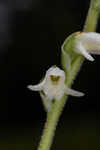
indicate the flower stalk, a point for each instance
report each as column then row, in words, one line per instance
column 92, row 17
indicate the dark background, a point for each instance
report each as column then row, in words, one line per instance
column 31, row 34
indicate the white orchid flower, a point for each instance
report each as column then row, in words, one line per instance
column 88, row 43
column 53, row 85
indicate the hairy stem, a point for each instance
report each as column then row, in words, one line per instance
column 54, row 114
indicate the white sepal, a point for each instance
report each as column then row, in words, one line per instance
column 37, row 87
column 81, row 50
column 73, row 92
column 88, row 43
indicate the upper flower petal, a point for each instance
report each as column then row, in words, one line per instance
column 55, row 71
column 88, row 42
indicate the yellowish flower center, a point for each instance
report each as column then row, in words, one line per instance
column 54, row 79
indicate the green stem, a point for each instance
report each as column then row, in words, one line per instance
column 50, row 125
column 54, row 114
column 92, row 17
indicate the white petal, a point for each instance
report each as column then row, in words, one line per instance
column 37, row 87
column 95, row 52
column 90, row 37
column 81, row 50
column 90, row 41
column 55, row 71
column 73, row 92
